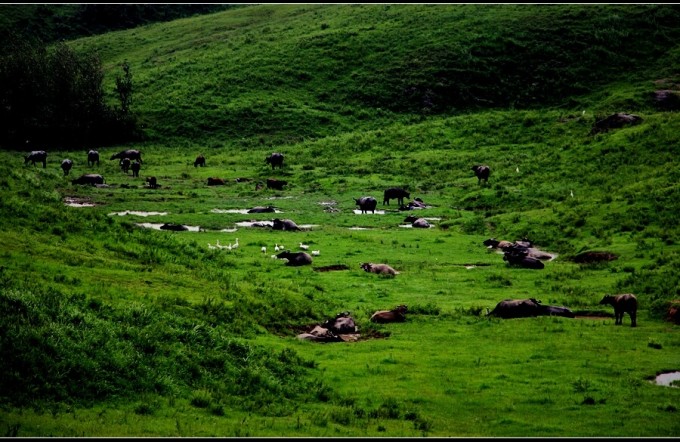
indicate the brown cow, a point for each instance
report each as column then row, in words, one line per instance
column 380, row 269
column 625, row 303
column 397, row 314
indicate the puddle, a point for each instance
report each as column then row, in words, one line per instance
column 255, row 224
column 279, row 197
column 242, row 211
column 407, row 226
column 359, row 228
column 671, row 379
column 157, row 226
column 75, row 202
column 377, row 212
column 328, row 203
column 228, row 230
column 133, row 212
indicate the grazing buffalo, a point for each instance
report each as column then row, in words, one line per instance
column 199, row 161
column 366, row 203
column 260, row 209
column 66, row 166
column 215, row 182
column 421, row 223
column 153, row 182
column 342, row 323
column 135, row 166
column 380, row 269
column 516, row 308
column 92, row 157
column 273, row 183
column 284, row 224
column 175, row 227
column 130, row 153
column 482, row 172
column 625, row 303
column 275, row 159
column 90, row 178
column 295, row 259
column 125, row 164
column 397, row 314
column 39, row 156
column 395, row 193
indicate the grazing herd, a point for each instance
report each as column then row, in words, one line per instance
column 518, row 253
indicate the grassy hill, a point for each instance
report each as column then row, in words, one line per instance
column 112, row 329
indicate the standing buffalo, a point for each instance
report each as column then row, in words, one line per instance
column 273, row 183
column 92, row 157
column 295, row 258
column 125, row 164
column 516, row 308
column 482, row 172
column 395, row 193
column 215, row 182
column 39, row 156
column 130, row 153
column 284, row 224
column 626, row 303
column 135, row 168
column 366, row 203
column 397, row 314
column 275, row 159
column 66, row 166
column 153, row 182
column 90, row 178
column 380, row 269
column 199, row 161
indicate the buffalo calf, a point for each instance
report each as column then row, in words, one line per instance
column 379, row 269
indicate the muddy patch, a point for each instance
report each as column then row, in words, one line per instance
column 359, row 228
column 410, row 226
column 138, row 213
column 593, row 314
column 241, row 211
column 331, row 268
column 157, row 226
column 78, row 202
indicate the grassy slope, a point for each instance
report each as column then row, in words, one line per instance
column 299, row 95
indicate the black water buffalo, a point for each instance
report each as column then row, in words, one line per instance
column 90, row 178
column 380, row 269
column 366, row 203
column 174, row 227
column 414, row 205
column 275, row 159
column 516, row 308
column 125, row 164
column 215, row 182
column 37, row 156
column 320, row 334
column 625, row 303
column 482, row 172
column 397, row 314
column 153, row 182
column 421, row 223
column 66, row 166
column 295, row 259
column 519, row 256
column 130, row 153
column 135, row 166
column 199, row 161
column 395, row 193
column 342, row 323
column 553, row 310
column 260, row 209
column 92, row 157
column 273, row 183
column 284, row 224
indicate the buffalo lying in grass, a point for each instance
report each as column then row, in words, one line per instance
column 526, row 308
column 380, row 269
column 90, row 178
column 397, row 314
column 295, row 259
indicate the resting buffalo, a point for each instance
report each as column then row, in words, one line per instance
column 90, row 178
column 175, row 227
column 295, row 258
column 494, row 243
column 553, row 310
column 260, row 209
column 421, row 223
column 397, row 314
column 39, row 156
column 273, row 183
column 380, row 269
column 215, row 182
column 519, row 256
column 66, row 166
column 342, row 323
column 516, row 308
column 125, row 164
column 395, row 193
column 482, row 172
column 92, row 157
column 275, row 159
column 284, row 224
column 366, row 203
column 135, row 166
column 199, row 161
column 320, row 334
column 414, row 205
column 626, row 303
column 130, row 153
column 153, row 182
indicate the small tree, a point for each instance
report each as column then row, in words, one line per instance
column 124, row 89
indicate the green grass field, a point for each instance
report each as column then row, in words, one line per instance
column 112, row 329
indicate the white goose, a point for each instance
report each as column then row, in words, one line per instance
column 304, row 246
